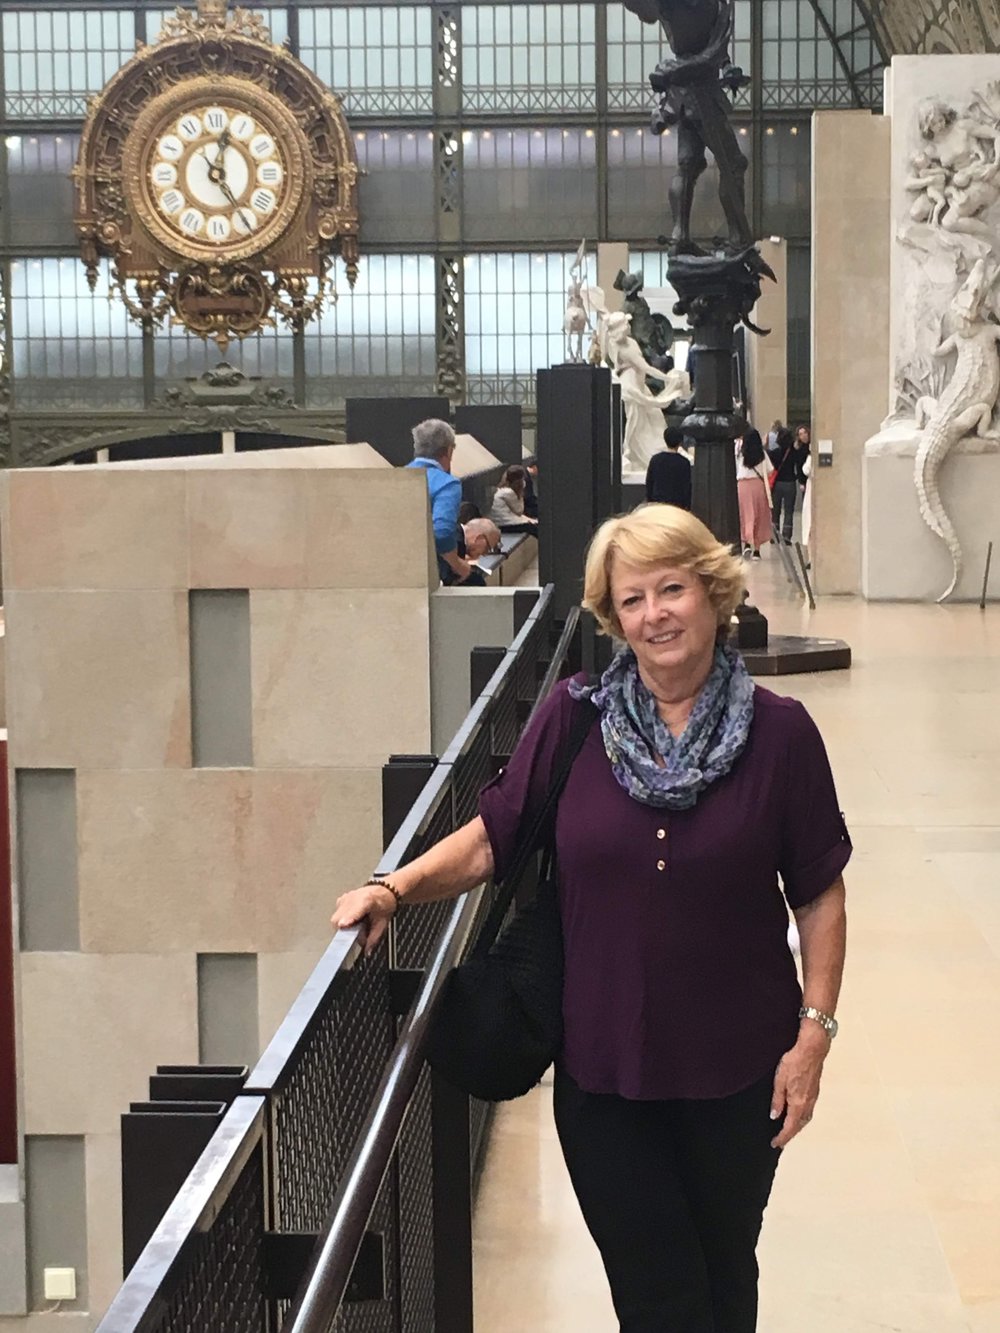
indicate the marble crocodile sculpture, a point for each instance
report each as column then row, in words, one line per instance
column 965, row 406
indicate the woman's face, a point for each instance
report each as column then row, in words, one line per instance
column 802, row 435
column 666, row 617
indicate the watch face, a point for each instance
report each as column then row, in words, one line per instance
column 217, row 176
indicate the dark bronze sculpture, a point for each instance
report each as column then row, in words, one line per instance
column 718, row 287
column 693, row 86
column 653, row 332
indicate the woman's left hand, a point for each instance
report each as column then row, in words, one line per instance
column 796, row 1083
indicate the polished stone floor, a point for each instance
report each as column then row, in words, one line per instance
column 886, row 1211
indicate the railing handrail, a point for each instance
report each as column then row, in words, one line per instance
column 321, row 1294
column 141, row 1300
column 319, row 1298
column 147, row 1287
column 339, row 956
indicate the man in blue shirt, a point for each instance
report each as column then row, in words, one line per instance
column 433, row 448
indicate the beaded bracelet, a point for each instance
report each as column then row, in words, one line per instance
column 382, row 883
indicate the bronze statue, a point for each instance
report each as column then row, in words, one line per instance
column 693, row 86
column 653, row 332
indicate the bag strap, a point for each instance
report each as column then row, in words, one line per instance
column 584, row 717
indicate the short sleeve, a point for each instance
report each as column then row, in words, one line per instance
column 816, row 845
column 444, row 512
column 513, row 799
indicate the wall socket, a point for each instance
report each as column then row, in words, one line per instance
column 60, row 1284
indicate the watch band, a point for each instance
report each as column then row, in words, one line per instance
column 826, row 1021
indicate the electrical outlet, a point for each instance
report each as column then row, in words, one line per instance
column 60, row 1284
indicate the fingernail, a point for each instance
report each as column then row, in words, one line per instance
column 775, row 1114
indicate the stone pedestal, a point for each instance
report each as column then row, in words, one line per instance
column 942, row 110
column 580, row 475
column 902, row 559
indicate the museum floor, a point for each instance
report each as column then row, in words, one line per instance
column 886, row 1212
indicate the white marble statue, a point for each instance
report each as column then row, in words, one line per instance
column 576, row 320
column 952, row 189
column 966, row 405
column 644, row 421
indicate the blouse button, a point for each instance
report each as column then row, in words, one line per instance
column 661, row 832
column 661, row 865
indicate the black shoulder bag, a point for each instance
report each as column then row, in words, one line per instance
column 500, row 1024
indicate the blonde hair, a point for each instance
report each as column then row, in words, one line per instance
column 658, row 534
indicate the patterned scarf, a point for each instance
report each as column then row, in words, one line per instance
column 634, row 732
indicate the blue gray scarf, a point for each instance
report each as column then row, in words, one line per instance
column 634, row 732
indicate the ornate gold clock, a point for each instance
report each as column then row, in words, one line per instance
column 218, row 176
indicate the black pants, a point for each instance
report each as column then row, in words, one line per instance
column 673, row 1193
column 784, row 493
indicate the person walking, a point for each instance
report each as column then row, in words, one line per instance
column 785, row 484
column 668, row 477
column 752, row 471
column 690, row 1057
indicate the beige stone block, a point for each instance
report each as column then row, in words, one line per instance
column 94, row 1029
column 166, row 861
column 316, row 834
column 221, row 860
column 103, row 1165
column 98, row 679
column 89, row 528
column 248, row 528
column 367, row 529
column 280, row 977
column 340, row 678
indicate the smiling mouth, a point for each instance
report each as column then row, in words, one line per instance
column 665, row 638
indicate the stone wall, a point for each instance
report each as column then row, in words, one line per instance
column 207, row 666
column 850, row 329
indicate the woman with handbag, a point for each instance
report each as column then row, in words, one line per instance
column 784, row 484
column 689, row 1057
column 753, row 467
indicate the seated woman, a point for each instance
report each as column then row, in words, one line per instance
column 508, row 502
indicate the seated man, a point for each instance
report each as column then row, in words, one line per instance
column 433, row 450
column 482, row 537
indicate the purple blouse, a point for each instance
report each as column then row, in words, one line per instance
column 679, row 980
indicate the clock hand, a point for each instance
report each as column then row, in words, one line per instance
column 232, row 199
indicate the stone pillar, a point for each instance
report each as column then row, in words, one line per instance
column 767, row 358
column 850, row 329
column 611, row 257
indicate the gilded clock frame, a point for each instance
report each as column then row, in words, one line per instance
column 284, row 269
column 167, row 109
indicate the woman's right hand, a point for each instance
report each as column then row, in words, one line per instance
column 371, row 907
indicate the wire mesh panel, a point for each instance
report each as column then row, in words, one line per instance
column 471, row 771
column 416, row 929
column 503, row 719
column 317, row 1114
column 221, row 1286
column 416, row 1215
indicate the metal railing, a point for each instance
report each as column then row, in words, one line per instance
column 337, row 1192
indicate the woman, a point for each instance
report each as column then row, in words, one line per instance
column 508, row 502
column 752, row 470
column 785, row 488
column 690, row 1056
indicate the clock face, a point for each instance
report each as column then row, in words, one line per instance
column 217, row 176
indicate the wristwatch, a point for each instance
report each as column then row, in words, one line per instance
column 829, row 1025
